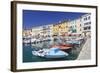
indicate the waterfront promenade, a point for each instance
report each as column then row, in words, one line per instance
column 85, row 53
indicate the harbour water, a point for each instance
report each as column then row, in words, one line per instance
column 29, row 57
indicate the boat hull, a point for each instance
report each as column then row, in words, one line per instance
column 55, row 56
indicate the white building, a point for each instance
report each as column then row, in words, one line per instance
column 42, row 32
column 86, row 24
column 37, row 32
column 47, row 31
column 81, row 25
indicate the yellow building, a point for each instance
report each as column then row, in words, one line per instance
column 55, row 29
column 63, row 28
column 60, row 28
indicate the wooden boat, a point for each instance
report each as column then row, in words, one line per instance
column 63, row 46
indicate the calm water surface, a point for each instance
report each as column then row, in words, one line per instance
column 29, row 57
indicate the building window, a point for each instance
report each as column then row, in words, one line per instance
column 89, row 27
column 85, row 18
column 70, row 26
column 80, row 24
column 74, row 31
column 85, row 28
column 89, row 22
column 85, row 23
column 89, row 17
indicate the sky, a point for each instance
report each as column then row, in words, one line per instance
column 33, row 18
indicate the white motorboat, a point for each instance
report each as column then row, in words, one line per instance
column 40, row 53
column 50, row 53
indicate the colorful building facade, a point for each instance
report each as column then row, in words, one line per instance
column 80, row 26
column 72, row 27
column 60, row 28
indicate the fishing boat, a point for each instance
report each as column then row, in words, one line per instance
column 74, row 42
column 64, row 47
